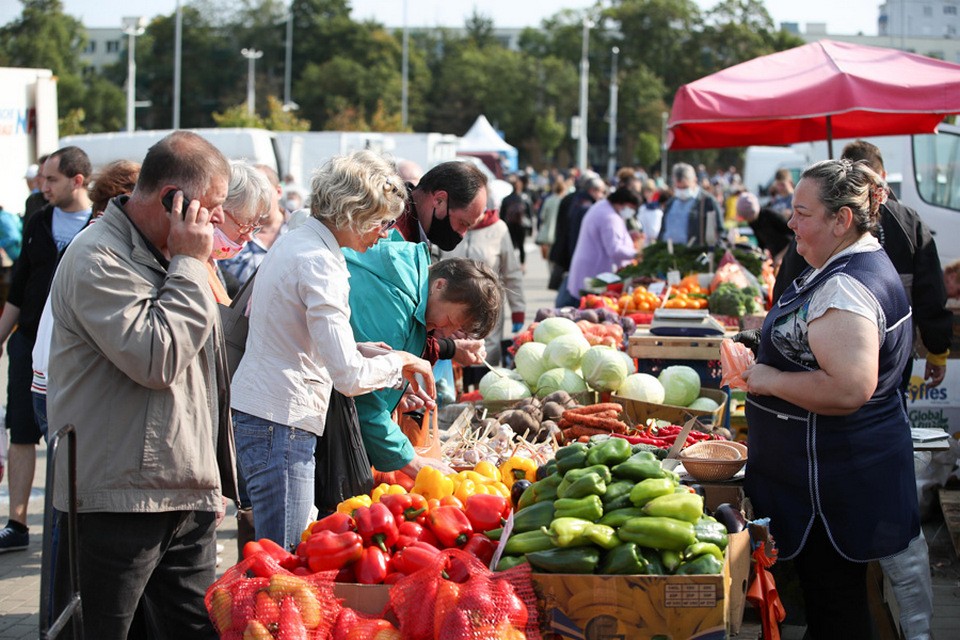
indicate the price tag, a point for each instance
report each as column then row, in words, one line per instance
column 673, row 277
column 504, row 536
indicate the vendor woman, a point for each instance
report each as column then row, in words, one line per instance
column 831, row 459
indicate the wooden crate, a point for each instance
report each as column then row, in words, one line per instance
column 644, row 344
column 950, row 505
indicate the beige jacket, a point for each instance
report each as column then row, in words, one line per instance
column 133, row 366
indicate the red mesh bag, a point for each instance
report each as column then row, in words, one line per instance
column 458, row 598
column 735, row 357
column 355, row 624
column 258, row 595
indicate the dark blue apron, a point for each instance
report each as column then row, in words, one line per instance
column 854, row 471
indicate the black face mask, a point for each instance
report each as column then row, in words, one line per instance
column 442, row 234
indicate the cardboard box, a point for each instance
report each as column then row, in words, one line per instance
column 365, row 598
column 936, row 408
column 704, row 607
column 638, row 412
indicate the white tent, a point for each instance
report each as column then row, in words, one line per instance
column 483, row 137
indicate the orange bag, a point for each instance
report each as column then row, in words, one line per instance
column 734, row 359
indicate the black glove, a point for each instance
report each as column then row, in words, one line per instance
column 750, row 339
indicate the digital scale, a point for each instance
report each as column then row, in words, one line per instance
column 685, row 322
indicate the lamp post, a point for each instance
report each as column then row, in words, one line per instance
column 584, row 79
column 177, row 64
column 252, row 55
column 288, row 103
column 612, row 140
column 405, row 65
column 132, row 27
column 663, row 146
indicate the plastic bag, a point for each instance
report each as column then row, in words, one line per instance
column 343, row 469
column 734, row 359
column 257, row 592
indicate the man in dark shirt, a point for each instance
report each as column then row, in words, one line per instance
column 769, row 227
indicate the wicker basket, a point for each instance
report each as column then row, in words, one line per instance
column 712, row 461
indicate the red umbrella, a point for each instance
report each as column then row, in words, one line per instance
column 818, row 91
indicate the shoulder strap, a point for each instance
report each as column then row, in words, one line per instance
column 243, row 296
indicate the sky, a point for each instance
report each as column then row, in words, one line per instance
column 846, row 17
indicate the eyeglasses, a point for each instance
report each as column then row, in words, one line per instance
column 385, row 225
column 244, row 228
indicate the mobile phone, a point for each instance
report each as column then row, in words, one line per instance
column 167, row 201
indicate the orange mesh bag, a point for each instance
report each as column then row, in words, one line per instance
column 259, row 598
column 354, row 624
column 458, row 598
column 734, row 359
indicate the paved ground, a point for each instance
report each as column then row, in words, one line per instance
column 20, row 571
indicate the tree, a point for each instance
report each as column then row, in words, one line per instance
column 237, row 116
column 278, row 119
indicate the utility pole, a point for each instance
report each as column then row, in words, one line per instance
column 584, row 84
column 612, row 141
column 252, row 55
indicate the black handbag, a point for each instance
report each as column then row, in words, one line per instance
column 343, row 468
column 236, row 324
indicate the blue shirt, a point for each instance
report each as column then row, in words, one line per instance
column 10, row 234
column 67, row 225
column 677, row 219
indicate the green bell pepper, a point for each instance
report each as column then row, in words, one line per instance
column 566, row 560
column 681, row 506
column 509, row 562
column 617, row 517
column 588, row 484
column 625, row 559
column 546, row 469
column 709, row 530
column 540, row 491
column 572, row 456
column 568, row 532
column 654, row 562
column 526, row 542
column 658, row 533
column 705, row 564
column 494, row 534
column 659, row 452
column 609, row 452
column 587, row 508
column 617, row 495
column 670, row 559
column 533, row 517
column 601, row 470
column 646, row 490
column 640, row 466
column 697, row 549
column 603, row 536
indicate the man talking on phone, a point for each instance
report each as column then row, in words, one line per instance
column 137, row 366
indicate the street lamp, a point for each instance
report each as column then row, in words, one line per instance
column 612, row 140
column 288, row 103
column 177, row 63
column 132, row 27
column 404, row 91
column 584, row 77
column 252, row 55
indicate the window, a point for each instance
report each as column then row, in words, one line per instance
column 949, row 10
column 113, row 46
column 91, row 47
column 937, row 164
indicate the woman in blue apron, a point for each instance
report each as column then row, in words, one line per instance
column 831, row 459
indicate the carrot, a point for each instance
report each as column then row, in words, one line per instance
column 575, row 432
column 596, row 408
column 608, row 424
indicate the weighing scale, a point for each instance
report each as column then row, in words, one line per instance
column 685, row 322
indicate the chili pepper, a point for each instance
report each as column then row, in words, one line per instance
column 518, row 468
column 573, row 460
column 533, row 517
column 372, row 566
column 431, row 483
column 487, row 470
column 670, row 559
column 520, row 543
column 350, row 505
column 337, row 522
column 589, row 484
column 588, row 508
column 697, row 549
column 640, row 466
column 567, row 532
column 705, row 564
column 486, row 512
column 709, row 530
column 646, row 490
column 617, row 495
column 565, row 560
column 624, row 559
column 329, row 551
column 386, row 489
column 602, row 535
column 407, row 506
column 540, row 491
column 601, row 470
column 377, row 526
column 658, row 533
column 509, row 562
column 410, row 532
column 682, row 506
column 450, row 525
column 610, row 452
column 619, row 516
column 481, row 547
column 414, row 557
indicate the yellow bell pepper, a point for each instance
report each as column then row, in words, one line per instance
column 477, row 477
column 466, row 489
column 487, row 469
column 431, row 483
column 383, row 489
column 518, row 468
column 501, row 488
column 350, row 505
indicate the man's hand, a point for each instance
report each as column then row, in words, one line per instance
column 191, row 234
column 934, row 374
column 412, row 365
column 411, row 401
column 469, row 352
column 420, row 462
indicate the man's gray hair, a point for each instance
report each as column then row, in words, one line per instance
column 683, row 171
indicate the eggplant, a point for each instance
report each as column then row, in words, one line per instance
column 517, row 490
column 730, row 517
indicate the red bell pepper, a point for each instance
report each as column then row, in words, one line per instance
column 414, row 557
column 411, row 532
column 336, row 522
column 377, row 526
column 371, row 568
column 511, row 604
column 406, row 506
column 446, row 605
column 481, row 547
column 329, row 551
column 346, row 574
column 486, row 511
column 450, row 525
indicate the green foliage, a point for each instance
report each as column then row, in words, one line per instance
column 237, row 116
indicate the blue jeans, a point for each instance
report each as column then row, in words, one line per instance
column 40, row 413
column 278, row 465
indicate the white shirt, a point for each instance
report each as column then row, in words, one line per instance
column 300, row 340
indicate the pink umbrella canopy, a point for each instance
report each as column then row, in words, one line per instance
column 819, row 91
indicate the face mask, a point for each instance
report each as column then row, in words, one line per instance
column 684, row 194
column 628, row 212
column 223, row 247
column 442, row 234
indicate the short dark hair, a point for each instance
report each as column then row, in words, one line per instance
column 624, row 195
column 73, row 161
column 184, row 159
column 475, row 285
column 461, row 181
column 863, row 150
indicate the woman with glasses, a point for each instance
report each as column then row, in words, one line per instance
column 300, row 345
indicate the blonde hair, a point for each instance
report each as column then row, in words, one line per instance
column 357, row 191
